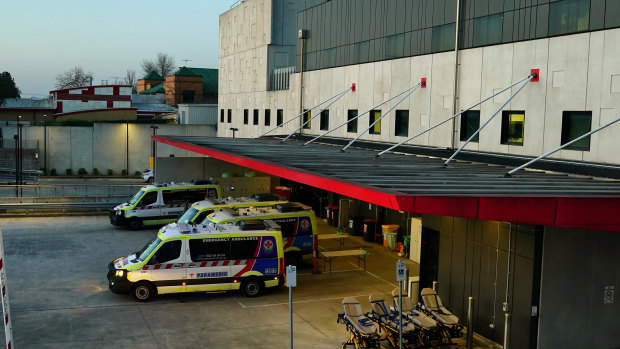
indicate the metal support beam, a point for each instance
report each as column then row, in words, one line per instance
column 454, row 116
column 510, row 173
column 340, row 95
column 300, row 114
column 486, row 122
column 382, row 116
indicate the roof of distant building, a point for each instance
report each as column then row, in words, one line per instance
column 209, row 77
column 159, row 88
column 27, row 103
column 153, row 75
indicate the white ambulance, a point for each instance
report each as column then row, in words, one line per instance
column 203, row 258
column 160, row 204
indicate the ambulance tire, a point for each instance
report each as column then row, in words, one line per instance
column 293, row 258
column 150, row 180
column 134, row 224
column 143, row 291
column 252, row 287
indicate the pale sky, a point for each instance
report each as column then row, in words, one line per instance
column 41, row 38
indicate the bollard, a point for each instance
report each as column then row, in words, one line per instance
column 435, row 284
column 470, row 323
column 507, row 331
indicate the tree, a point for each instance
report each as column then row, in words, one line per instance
column 130, row 79
column 74, row 77
column 162, row 64
column 8, row 89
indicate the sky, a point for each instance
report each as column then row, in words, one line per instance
column 41, row 38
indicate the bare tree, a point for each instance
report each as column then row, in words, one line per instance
column 162, row 64
column 130, row 79
column 74, row 77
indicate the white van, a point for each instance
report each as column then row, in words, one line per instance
column 203, row 258
column 160, row 204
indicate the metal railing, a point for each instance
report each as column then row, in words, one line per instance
column 26, row 143
column 68, row 191
column 280, row 78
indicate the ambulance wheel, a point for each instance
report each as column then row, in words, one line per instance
column 134, row 224
column 150, row 180
column 252, row 288
column 142, row 291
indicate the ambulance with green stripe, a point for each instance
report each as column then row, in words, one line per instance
column 297, row 221
column 160, row 204
column 203, row 258
column 198, row 211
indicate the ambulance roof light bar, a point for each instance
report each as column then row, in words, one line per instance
column 364, row 113
column 339, row 95
column 412, row 89
column 533, row 75
column 302, row 113
column 511, row 172
column 459, row 113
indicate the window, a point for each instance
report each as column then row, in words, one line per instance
column 569, row 16
column 374, row 116
column 443, row 37
column 280, row 116
column 401, row 127
column 512, row 127
column 574, row 125
column 243, row 247
column 470, row 123
column 488, row 30
column 201, row 250
column 324, row 120
column 255, row 118
column 229, row 115
column 221, row 115
column 167, row 252
column 306, row 118
column 394, row 46
column 352, row 125
column 188, row 96
column 148, row 198
column 245, row 116
column 267, row 117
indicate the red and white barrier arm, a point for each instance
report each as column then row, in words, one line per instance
column 8, row 329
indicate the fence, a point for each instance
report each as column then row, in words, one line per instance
column 86, row 191
column 26, row 143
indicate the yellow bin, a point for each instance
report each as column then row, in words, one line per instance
column 389, row 235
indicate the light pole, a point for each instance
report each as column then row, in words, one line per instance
column 20, row 150
column 154, row 149
column 45, row 142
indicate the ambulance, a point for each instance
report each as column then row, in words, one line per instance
column 203, row 258
column 297, row 221
column 198, row 211
column 160, row 204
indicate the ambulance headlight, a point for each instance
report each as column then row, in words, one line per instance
column 119, row 273
column 119, row 212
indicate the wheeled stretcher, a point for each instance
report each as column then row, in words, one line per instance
column 429, row 332
column 363, row 331
column 389, row 323
column 433, row 307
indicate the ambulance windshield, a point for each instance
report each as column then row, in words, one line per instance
column 148, row 248
column 136, row 197
column 188, row 215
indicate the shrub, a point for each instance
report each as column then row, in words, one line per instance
column 110, row 172
column 82, row 171
column 69, row 172
column 123, row 172
column 53, row 172
column 96, row 171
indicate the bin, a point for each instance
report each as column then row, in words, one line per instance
column 355, row 225
column 390, row 232
column 369, row 229
column 335, row 221
column 328, row 215
column 391, row 240
column 284, row 191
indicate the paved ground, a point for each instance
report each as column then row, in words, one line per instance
column 56, row 271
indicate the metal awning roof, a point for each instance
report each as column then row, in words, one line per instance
column 422, row 184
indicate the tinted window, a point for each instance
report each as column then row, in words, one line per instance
column 325, row 120
column 374, row 116
column 401, row 127
column 267, row 117
column 243, row 247
column 169, row 251
column 280, row 116
column 569, row 16
column 574, row 125
column 255, row 117
column 512, row 127
column 215, row 249
column 245, row 116
column 229, row 115
column 488, row 30
column 443, row 38
column 306, row 117
column 148, row 198
column 352, row 125
column 221, row 115
column 470, row 123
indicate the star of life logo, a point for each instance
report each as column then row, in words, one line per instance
column 268, row 246
column 304, row 224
